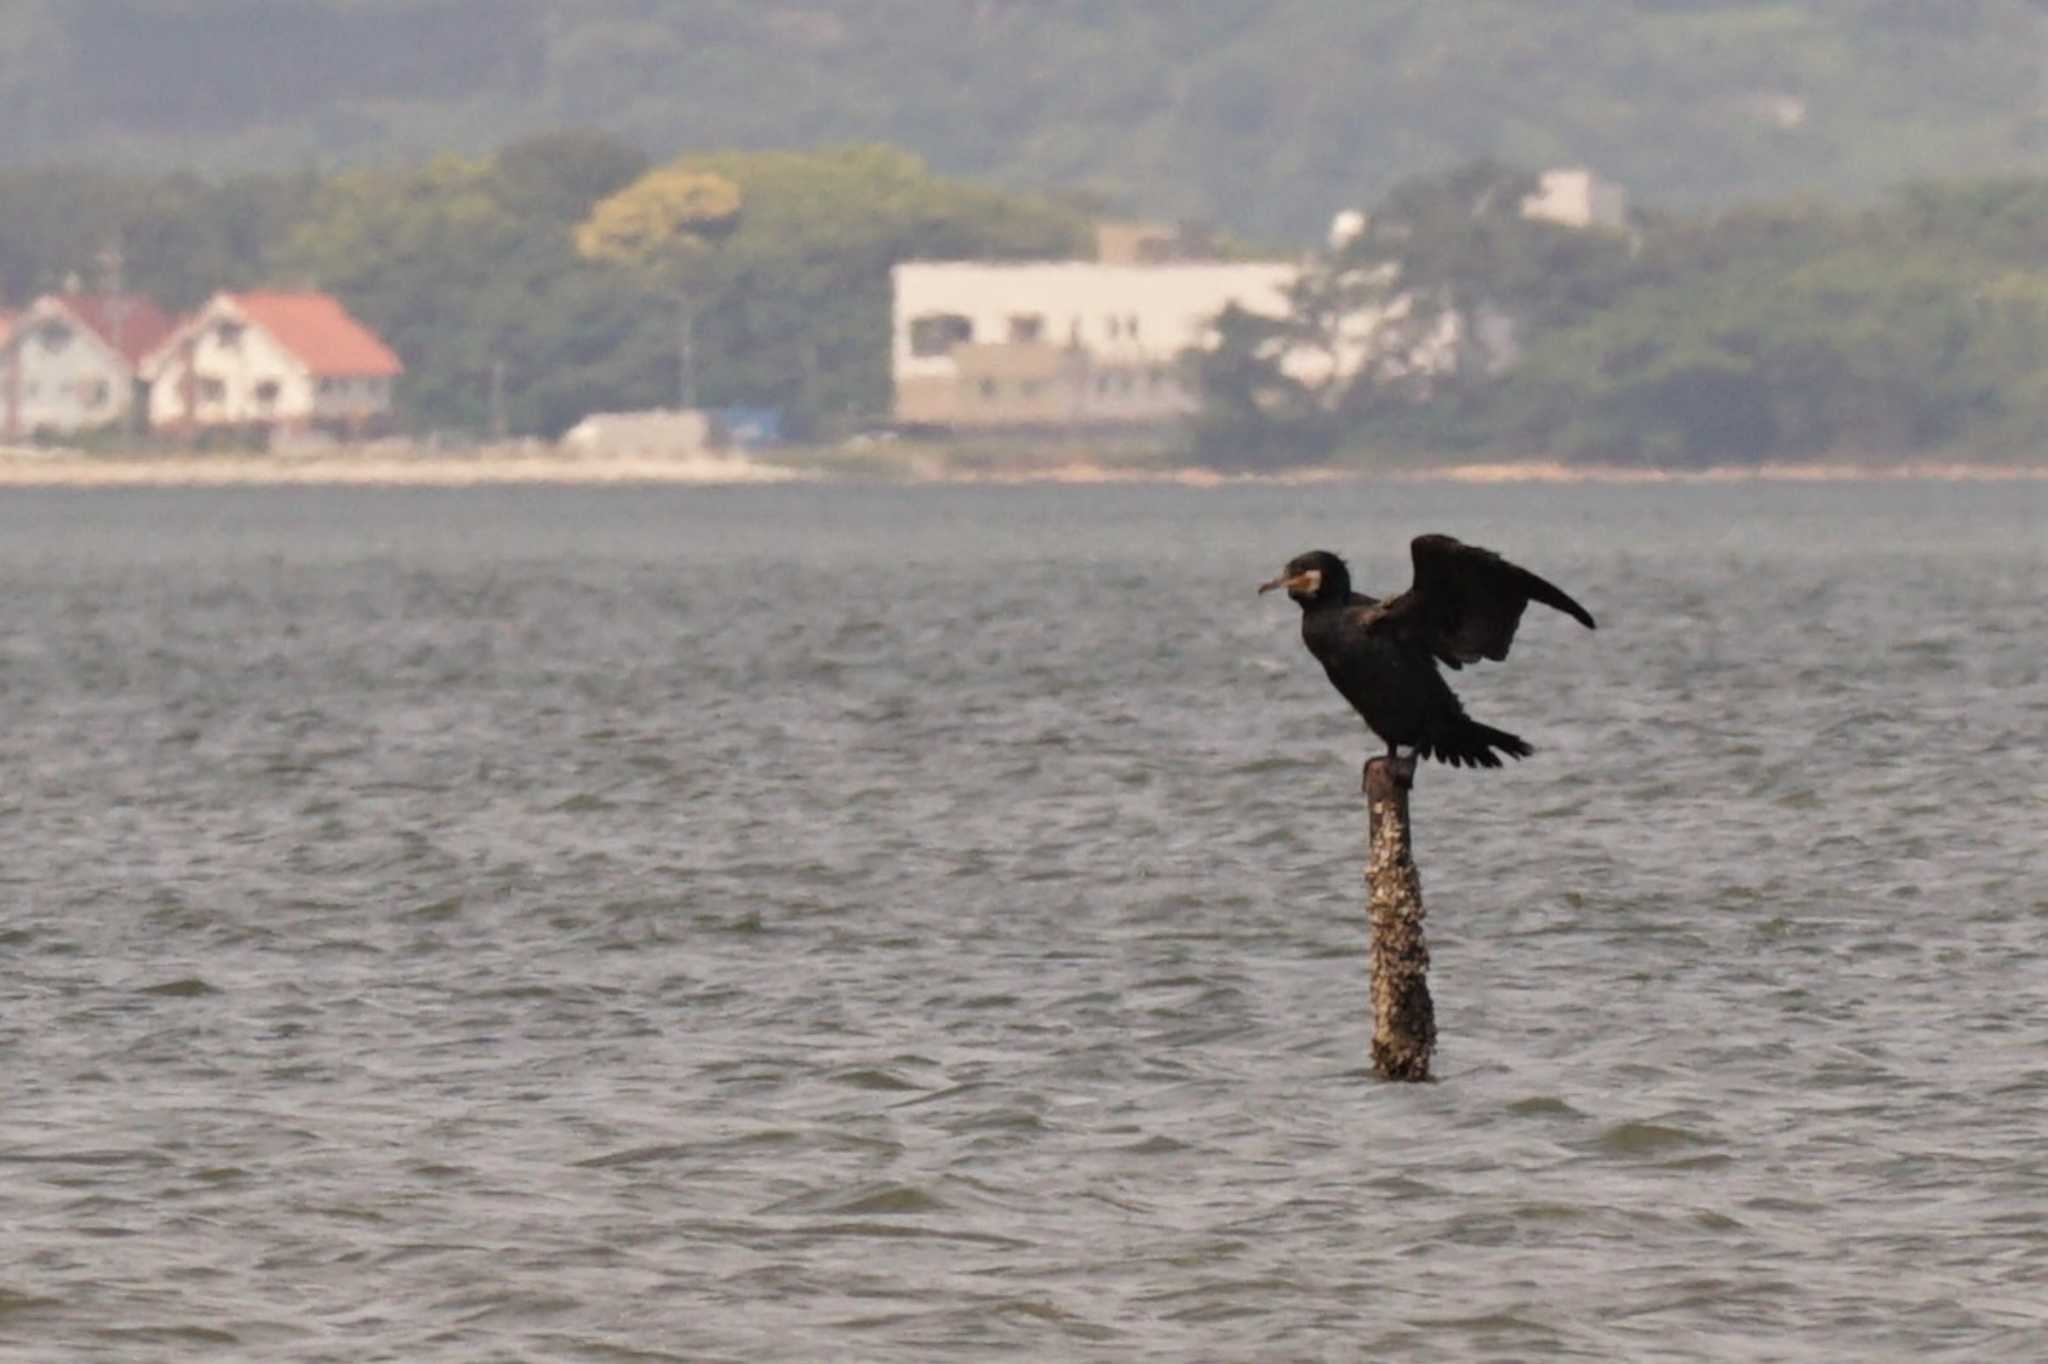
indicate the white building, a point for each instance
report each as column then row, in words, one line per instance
column 1058, row 343
column 1576, row 197
column 69, row 363
column 283, row 361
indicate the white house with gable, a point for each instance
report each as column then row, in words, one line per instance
column 283, row 361
column 69, row 363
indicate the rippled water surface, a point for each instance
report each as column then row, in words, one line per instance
column 810, row 924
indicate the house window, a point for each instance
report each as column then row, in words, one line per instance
column 1131, row 326
column 228, row 335
column 988, row 388
column 92, row 393
column 327, row 386
column 55, row 336
column 937, row 333
column 1113, row 326
column 266, row 392
column 1027, row 327
column 1029, row 388
column 212, row 390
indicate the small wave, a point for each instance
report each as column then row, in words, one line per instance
column 872, row 1200
column 870, row 1077
column 637, row 1155
column 1646, row 1139
column 1543, row 1106
column 185, row 987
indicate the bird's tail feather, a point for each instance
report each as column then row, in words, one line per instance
column 1471, row 744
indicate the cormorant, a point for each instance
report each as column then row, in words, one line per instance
column 1382, row 655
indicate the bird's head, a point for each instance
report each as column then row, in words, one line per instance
column 1317, row 576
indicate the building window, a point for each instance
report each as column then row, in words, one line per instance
column 1027, row 327
column 327, row 386
column 1131, row 326
column 988, row 388
column 1112, row 326
column 211, row 390
column 55, row 336
column 228, row 335
column 93, row 392
column 266, row 392
column 1030, row 388
column 937, row 333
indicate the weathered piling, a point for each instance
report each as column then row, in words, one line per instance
column 1403, row 1017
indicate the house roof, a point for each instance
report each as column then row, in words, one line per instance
column 320, row 333
column 131, row 324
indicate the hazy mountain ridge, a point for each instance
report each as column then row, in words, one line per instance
column 1262, row 116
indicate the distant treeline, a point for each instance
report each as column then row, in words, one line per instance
column 1251, row 116
column 1766, row 331
column 472, row 269
column 565, row 273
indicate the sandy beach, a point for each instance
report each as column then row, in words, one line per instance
column 537, row 464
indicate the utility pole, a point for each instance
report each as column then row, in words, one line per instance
column 686, row 350
column 499, row 426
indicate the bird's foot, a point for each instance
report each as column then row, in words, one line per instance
column 1402, row 768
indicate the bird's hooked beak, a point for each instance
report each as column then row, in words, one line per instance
column 1305, row 582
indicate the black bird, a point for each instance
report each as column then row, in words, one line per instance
column 1463, row 606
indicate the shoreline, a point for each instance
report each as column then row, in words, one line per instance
column 377, row 468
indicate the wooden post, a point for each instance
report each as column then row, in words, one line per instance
column 1403, row 1018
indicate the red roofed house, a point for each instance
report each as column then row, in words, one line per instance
column 290, row 361
column 70, row 363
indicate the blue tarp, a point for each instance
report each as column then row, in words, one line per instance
column 749, row 428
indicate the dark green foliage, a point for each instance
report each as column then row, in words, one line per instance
column 1254, row 415
column 796, row 300
column 1769, row 332
column 1246, row 114
column 179, row 237
column 1921, row 325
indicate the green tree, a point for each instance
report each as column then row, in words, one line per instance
column 468, row 268
column 661, row 221
column 794, row 303
column 1400, row 334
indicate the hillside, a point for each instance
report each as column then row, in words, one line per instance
column 1260, row 116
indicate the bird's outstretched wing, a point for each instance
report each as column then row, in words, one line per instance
column 1467, row 601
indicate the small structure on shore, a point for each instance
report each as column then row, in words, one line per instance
column 656, row 431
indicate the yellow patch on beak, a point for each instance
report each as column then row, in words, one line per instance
column 1303, row 584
